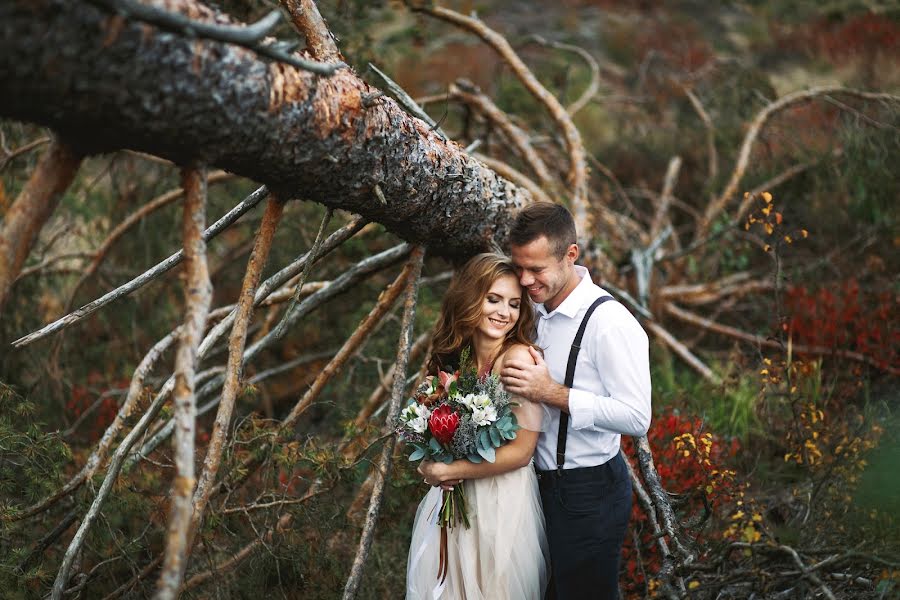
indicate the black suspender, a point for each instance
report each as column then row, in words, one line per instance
column 570, row 380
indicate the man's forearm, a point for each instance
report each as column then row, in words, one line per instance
column 556, row 395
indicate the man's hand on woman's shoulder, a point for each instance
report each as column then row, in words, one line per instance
column 526, row 374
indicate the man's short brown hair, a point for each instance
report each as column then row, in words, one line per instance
column 548, row 219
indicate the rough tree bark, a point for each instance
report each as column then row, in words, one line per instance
column 197, row 296
column 119, row 84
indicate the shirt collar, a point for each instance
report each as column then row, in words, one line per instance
column 573, row 302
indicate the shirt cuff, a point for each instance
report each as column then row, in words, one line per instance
column 581, row 409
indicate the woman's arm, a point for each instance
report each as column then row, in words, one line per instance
column 512, row 455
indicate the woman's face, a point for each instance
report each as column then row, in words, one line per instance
column 500, row 308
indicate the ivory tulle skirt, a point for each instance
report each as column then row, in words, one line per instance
column 502, row 555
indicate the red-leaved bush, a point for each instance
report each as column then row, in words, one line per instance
column 842, row 316
column 690, row 462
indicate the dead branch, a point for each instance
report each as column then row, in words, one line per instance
column 233, row 562
column 308, row 21
column 774, row 182
column 44, row 265
column 98, row 456
column 35, row 203
column 665, row 197
column 142, row 574
column 647, row 504
column 712, row 156
column 279, row 330
column 197, row 298
column 517, row 177
column 661, row 504
column 9, row 156
column 99, row 255
column 247, row 36
column 384, row 304
column 682, row 351
column 399, row 386
column 474, row 97
column 75, row 316
column 377, row 397
column 758, row 340
column 736, row 284
column 717, row 205
column 577, row 177
column 807, row 572
column 344, row 150
column 593, row 87
column 341, row 284
column 283, row 277
column 236, row 342
column 112, row 473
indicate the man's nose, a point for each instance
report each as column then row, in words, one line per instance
column 525, row 279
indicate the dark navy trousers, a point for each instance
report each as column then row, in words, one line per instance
column 586, row 511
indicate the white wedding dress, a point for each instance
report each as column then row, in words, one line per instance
column 503, row 555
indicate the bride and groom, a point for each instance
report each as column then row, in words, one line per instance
column 577, row 365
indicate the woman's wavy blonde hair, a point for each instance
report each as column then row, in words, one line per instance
column 461, row 311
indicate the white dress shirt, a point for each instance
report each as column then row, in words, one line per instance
column 611, row 392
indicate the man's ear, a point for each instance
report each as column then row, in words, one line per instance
column 572, row 253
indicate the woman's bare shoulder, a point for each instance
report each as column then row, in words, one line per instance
column 517, row 352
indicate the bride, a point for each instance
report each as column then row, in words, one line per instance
column 503, row 554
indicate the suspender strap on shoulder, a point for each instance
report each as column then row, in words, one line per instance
column 569, row 382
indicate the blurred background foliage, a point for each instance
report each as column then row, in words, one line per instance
column 735, row 56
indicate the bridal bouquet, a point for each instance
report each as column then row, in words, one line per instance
column 455, row 416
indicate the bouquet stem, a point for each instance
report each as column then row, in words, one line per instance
column 453, row 512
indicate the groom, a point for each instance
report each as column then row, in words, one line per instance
column 596, row 391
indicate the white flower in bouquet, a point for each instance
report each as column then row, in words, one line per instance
column 484, row 415
column 473, row 401
column 416, row 417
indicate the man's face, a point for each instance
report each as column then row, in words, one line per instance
column 547, row 278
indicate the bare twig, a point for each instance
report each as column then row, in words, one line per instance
column 384, row 468
column 197, row 296
column 307, row 20
column 665, row 198
column 236, row 342
column 471, row 95
column 712, row 155
column 717, row 205
column 247, row 36
column 141, row 280
column 759, row 340
column 577, row 169
column 130, row 221
column 9, row 156
column 377, row 397
column 112, row 473
column 98, row 456
column 384, row 304
column 346, row 281
column 682, row 351
column 279, row 330
column 593, row 87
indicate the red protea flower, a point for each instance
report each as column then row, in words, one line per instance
column 443, row 423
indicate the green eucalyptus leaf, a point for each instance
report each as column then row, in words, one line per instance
column 488, row 454
column 495, row 437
